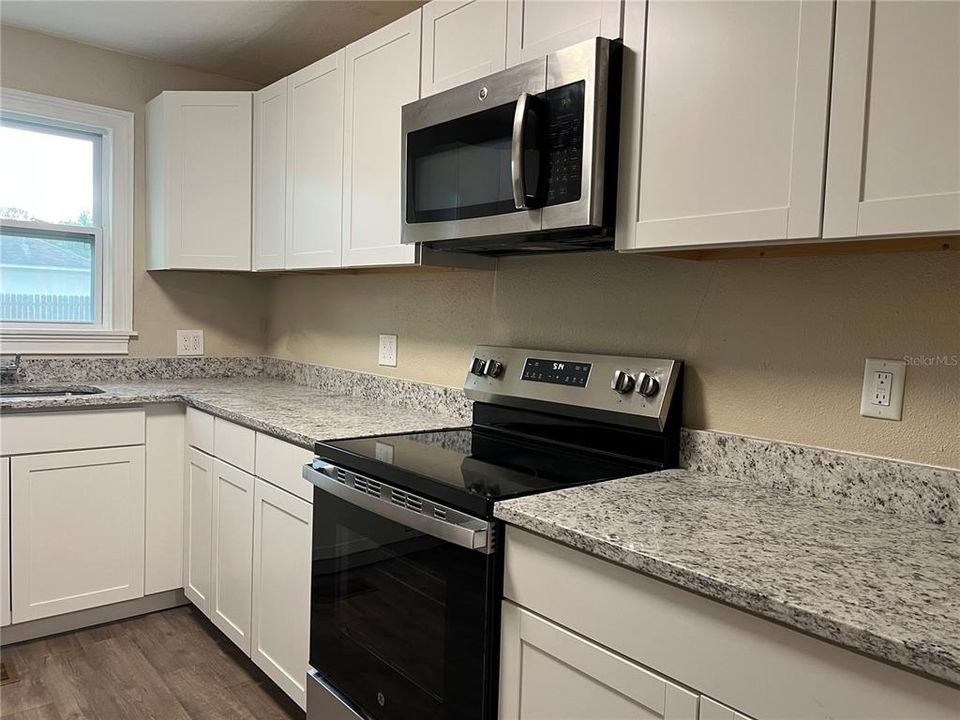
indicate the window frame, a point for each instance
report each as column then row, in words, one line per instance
column 112, row 328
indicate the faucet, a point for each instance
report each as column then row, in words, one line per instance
column 12, row 372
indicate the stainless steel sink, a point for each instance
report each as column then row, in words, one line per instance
column 25, row 391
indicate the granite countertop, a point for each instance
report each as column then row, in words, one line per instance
column 880, row 584
column 296, row 413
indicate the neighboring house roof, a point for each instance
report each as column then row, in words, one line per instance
column 38, row 252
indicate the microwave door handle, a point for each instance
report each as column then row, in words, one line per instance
column 516, row 152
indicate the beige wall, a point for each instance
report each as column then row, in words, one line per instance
column 774, row 348
column 228, row 308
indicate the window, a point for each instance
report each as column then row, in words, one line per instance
column 65, row 226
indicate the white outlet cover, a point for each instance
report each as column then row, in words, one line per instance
column 388, row 351
column 869, row 407
column 189, row 342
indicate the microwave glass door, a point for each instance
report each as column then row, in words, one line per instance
column 398, row 617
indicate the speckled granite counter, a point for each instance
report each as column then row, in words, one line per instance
column 291, row 412
column 884, row 585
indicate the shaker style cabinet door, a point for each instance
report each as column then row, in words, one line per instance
column 463, row 40
column 282, row 544
column 382, row 75
column 199, row 175
column 550, row 673
column 724, row 122
column 894, row 161
column 269, row 175
column 197, row 527
column 232, row 576
column 77, row 530
column 315, row 164
column 712, row 710
column 5, row 542
column 538, row 27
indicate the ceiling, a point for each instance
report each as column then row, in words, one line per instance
column 255, row 40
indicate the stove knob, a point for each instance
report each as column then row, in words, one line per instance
column 647, row 385
column 493, row 368
column 477, row 366
column 622, row 382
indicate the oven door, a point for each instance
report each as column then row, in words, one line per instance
column 404, row 606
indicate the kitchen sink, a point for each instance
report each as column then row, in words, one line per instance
column 17, row 391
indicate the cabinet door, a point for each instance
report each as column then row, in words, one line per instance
column 5, row 541
column 712, row 710
column 198, row 527
column 896, row 72
column 538, row 27
column 382, row 75
column 282, row 544
column 462, row 40
column 232, row 553
column 269, row 175
column 550, row 673
column 723, row 136
column 207, row 165
column 77, row 523
column 315, row 164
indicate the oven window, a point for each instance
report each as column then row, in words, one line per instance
column 397, row 616
column 461, row 169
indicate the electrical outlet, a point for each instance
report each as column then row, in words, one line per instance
column 189, row 342
column 388, row 350
column 882, row 393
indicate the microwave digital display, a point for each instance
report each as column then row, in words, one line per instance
column 557, row 372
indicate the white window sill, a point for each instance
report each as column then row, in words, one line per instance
column 65, row 342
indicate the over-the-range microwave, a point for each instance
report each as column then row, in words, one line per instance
column 521, row 161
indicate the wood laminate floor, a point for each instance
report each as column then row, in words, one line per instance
column 170, row 665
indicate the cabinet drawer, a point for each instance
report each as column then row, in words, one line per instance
column 40, row 432
column 234, row 444
column 199, row 430
column 281, row 464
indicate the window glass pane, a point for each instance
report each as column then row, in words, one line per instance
column 47, row 277
column 47, row 176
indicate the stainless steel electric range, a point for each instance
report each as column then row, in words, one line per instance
column 407, row 556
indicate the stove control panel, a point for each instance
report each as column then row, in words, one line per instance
column 620, row 389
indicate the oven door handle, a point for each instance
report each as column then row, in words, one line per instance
column 516, row 152
column 456, row 528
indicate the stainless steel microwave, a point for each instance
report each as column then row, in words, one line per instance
column 521, row 161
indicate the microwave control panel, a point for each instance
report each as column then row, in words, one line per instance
column 564, row 143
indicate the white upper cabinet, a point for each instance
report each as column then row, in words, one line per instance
column 269, row 175
column 462, row 40
column 382, row 75
column 315, row 163
column 538, row 27
column 724, row 122
column 894, row 162
column 199, row 174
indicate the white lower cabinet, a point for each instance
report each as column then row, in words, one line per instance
column 77, row 536
column 232, row 569
column 197, row 527
column 550, row 673
column 5, row 541
column 281, row 588
column 712, row 710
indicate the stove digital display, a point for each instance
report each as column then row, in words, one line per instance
column 556, row 372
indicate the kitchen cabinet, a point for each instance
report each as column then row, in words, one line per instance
column 5, row 541
column 198, row 527
column 199, row 174
column 163, row 527
column 723, row 135
column 896, row 72
column 280, row 630
column 232, row 569
column 382, row 75
column 712, row 710
column 462, row 40
column 546, row 671
column 538, row 27
column 314, row 164
column 76, row 531
column 269, row 175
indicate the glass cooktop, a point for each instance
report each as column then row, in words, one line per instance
column 474, row 467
